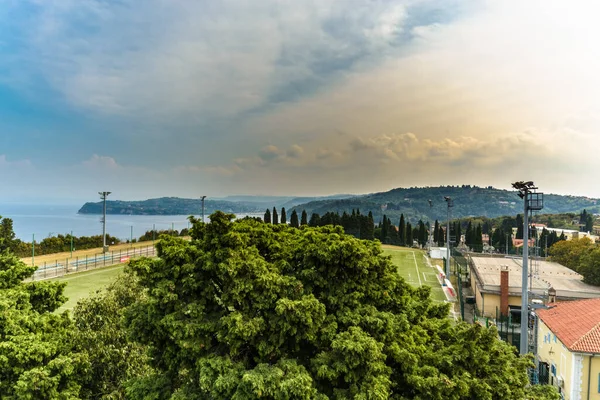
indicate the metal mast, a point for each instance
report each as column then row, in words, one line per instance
column 531, row 201
column 450, row 204
column 202, row 198
column 103, row 196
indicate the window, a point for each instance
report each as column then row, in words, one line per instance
column 598, row 383
column 553, row 369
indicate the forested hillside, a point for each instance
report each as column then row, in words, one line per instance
column 468, row 201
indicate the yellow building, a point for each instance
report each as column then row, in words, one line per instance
column 568, row 341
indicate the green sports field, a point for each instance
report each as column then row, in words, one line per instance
column 413, row 267
column 83, row 284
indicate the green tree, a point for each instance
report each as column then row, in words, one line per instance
column 589, row 266
column 37, row 360
column 402, row 230
column 248, row 310
column 274, row 216
column 436, row 231
column 315, row 220
column 570, row 252
column 99, row 334
column 519, row 221
column 409, row 235
column 267, row 217
column 283, row 216
column 8, row 239
column 294, row 219
column 304, row 218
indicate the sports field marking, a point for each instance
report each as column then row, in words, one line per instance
column 424, row 276
column 417, row 267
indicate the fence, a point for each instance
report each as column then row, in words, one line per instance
column 68, row 265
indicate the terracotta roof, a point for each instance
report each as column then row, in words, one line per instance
column 575, row 323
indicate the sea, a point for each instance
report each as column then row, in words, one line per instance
column 45, row 220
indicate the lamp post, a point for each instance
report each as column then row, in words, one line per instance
column 532, row 201
column 103, row 196
column 450, row 204
column 202, row 198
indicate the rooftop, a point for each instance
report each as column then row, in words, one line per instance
column 546, row 274
column 576, row 323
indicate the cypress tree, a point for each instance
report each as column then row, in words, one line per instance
column 275, row 218
column 283, row 216
column 294, row 219
column 267, row 217
column 304, row 218
column 409, row 235
column 384, row 230
column 519, row 227
column 436, row 231
column 458, row 233
column 402, row 231
column 441, row 237
column 315, row 220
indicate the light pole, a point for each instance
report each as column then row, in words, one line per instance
column 450, row 204
column 532, row 201
column 202, row 198
column 430, row 229
column 103, row 196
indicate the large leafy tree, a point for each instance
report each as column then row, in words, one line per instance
column 247, row 310
column 114, row 359
column 37, row 360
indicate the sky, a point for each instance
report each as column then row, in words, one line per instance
column 304, row 97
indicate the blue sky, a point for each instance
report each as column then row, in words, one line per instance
column 184, row 98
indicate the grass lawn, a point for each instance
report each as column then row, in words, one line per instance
column 83, row 284
column 414, row 269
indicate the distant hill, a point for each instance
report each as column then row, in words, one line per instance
column 181, row 206
column 468, row 201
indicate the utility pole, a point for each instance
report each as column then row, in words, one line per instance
column 450, row 204
column 202, row 198
column 103, row 196
column 532, row 201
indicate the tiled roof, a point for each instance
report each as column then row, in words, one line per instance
column 575, row 323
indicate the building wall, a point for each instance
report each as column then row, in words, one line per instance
column 552, row 351
column 594, row 389
column 488, row 303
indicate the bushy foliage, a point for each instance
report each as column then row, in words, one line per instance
column 251, row 310
column 37, row 360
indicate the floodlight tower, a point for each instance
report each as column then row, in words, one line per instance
column 450, row 205
column 103, row 196
column 430, row 228
column 202, row 199
column 532, row 201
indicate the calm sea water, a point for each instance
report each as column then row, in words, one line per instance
column 50, row 220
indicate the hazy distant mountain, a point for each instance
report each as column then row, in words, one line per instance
column 181, row 206
column 468, row 201
column 412, row 202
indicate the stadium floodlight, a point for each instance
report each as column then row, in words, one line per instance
column 450, row 204
column 532, row 201
column 103, row 196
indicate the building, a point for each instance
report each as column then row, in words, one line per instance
column 549, row 282
column 568, row 348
